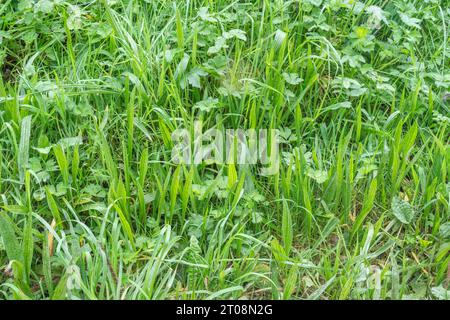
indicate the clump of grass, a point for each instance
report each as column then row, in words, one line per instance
column 92, row 207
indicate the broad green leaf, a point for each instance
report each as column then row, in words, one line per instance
column 287, row 228
column 320, row 176
column 207, row 104
column 220, row 43
column 340, row 105
column 367, row 206
column 60, row 291
column 291, row 283
column 28, row 245
column 24, row 147
column 53, row 206
column 410, row 22
column 440, row 293
column 318, row 293
column 292, row 78
column 444, row 230
column 235, row 33
column 7, row 233
column 402, row 210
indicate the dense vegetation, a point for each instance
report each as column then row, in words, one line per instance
column 92, row 207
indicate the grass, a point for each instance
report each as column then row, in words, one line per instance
column 92, row 207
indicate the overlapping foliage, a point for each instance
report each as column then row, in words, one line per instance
column 93, row 208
